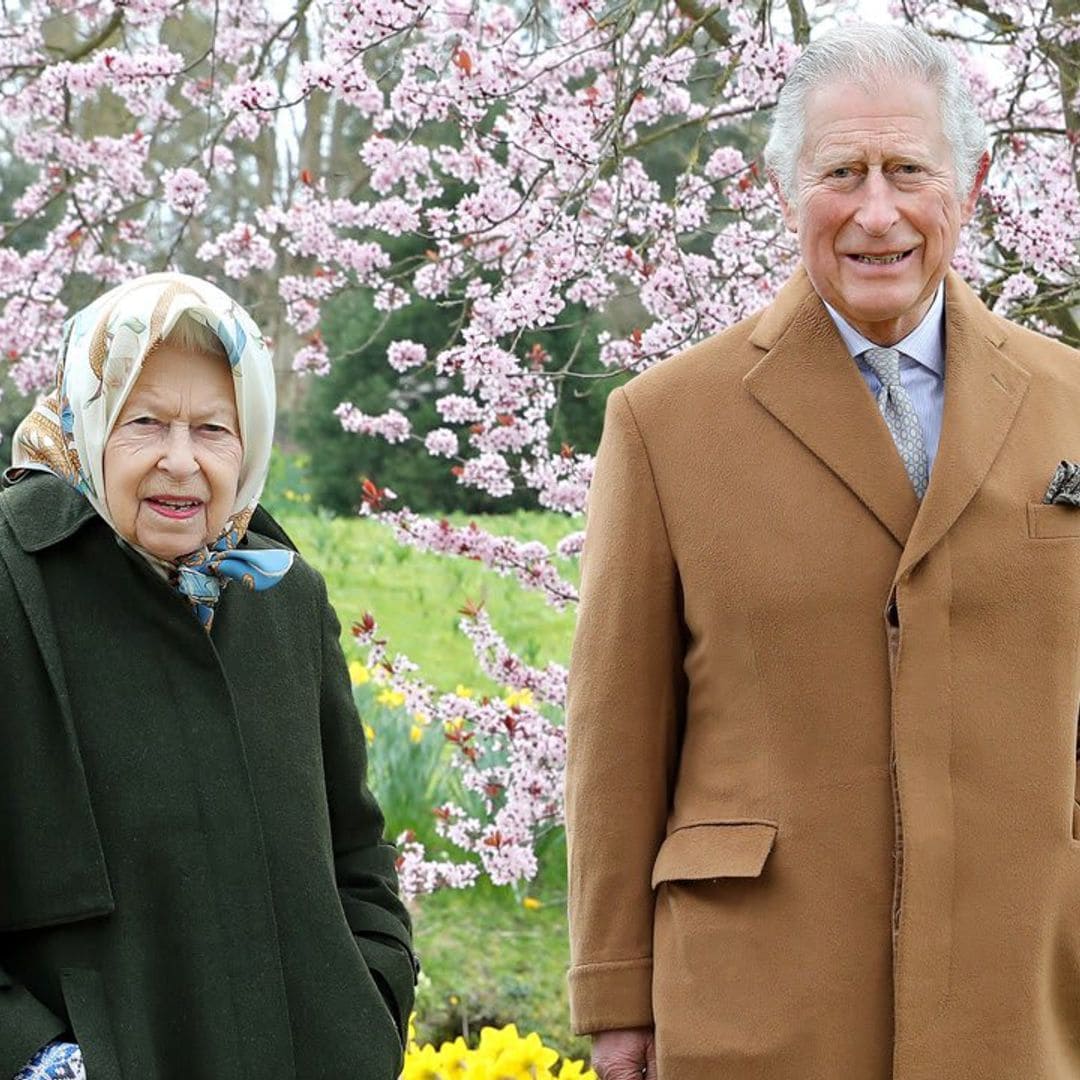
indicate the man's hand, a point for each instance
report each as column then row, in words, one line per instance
column 624, row 1054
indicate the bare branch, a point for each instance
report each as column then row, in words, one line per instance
column 706, row 19
column 800, row 22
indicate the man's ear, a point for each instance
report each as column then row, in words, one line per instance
column 791, row 218
column 971, row 200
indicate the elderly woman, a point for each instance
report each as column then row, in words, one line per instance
column 193, row 880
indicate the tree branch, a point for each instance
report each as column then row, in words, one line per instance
column 800, row 22
column 705, row 18
column 99, row 39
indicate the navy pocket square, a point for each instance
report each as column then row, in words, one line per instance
column 1065, row 485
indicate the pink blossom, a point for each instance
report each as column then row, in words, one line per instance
column 404, row 355
column 312, row 359
column 240, row 250
column 390, row 425
column 441, row 442
column 185, row 191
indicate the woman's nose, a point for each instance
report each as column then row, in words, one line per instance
column 178, row 456
column 877, row 212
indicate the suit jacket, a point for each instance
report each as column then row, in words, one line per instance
column 821, row 786
column 193, row 881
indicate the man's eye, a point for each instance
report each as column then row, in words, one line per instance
column 144, row 421
column 909, row 169
column 214, row 429
column 841, row 173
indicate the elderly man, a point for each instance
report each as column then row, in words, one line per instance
column 823, row 699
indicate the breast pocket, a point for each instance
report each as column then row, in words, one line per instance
column 1053, row 521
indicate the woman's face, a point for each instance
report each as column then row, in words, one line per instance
column 172, row 462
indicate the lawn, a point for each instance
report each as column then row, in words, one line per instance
column 415, row 596
column 491, row 954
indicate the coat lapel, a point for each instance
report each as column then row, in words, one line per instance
column 983, row 392
column 810, row 383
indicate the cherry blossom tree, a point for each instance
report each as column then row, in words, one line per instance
column 585, row 167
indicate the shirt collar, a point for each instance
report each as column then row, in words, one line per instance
column 925, row 344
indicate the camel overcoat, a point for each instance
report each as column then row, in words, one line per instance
column 822, row 739
column 193, row 879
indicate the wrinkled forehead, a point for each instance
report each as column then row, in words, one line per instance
column 888, row 118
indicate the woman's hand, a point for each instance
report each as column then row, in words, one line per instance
column 54, row 1061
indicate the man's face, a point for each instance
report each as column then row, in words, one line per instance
column 876, row 211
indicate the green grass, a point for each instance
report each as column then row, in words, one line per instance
column 487, row 958
column 415, row 596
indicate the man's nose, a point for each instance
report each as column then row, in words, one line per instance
column 178, row 455
column 877, row 212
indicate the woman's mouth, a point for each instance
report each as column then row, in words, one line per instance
column 174, row 508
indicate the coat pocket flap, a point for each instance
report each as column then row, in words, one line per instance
column 715, row 849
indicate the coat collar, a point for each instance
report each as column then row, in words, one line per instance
column 42, row 510
column 807, row 380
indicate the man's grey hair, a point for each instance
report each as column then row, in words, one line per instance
column 873, row 55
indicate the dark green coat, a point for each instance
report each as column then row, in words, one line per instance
column 193, row 881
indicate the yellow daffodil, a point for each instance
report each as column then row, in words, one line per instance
column 421, row 718
column 394, row 698
column 527, row 1056
column 502, row 1054
column 519, row 697
column 463, row 691
column 424, row 1064
column 575, row 1070
column 369, row 733
column 454, row 1059
column 358, row 673
column 530, row 903
column 416, row 733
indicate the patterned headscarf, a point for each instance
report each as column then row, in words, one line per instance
column 105, row 346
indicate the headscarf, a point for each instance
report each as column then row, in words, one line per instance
column 104, row 347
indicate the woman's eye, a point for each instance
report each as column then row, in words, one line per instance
column 910, row 169
column 143, row 421
column 214, row 429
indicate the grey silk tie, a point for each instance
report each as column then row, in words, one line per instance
column 900, row 416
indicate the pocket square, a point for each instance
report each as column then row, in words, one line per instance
column 1064, row 485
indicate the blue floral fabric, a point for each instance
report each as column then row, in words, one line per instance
column 54, row 1061
column 199, row 576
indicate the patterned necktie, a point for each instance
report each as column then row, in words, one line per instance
column 900, row 416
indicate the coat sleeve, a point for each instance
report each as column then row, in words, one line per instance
column 364, row 864
column 26, row 1024
column 625, row 704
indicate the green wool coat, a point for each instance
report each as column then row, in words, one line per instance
column 193, row 880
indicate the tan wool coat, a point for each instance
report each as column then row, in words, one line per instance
column 821, row 786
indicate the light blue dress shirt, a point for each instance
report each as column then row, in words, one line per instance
column 922, row 366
